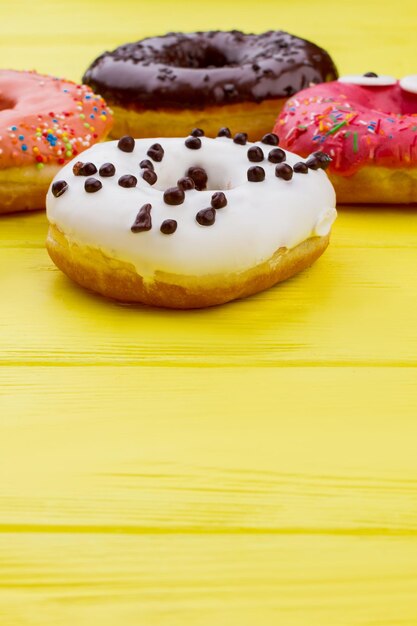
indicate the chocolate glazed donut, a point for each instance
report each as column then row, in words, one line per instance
column 164, row 86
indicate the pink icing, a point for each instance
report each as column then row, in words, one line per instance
column 46, row 120
column 355, row 125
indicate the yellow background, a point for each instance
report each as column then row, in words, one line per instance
column 249, row 465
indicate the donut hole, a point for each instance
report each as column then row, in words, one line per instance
column 6, row 103
column 217, row 178
column 189, row 55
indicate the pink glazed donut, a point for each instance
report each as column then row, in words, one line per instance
column 368, row 126
column 44, row 122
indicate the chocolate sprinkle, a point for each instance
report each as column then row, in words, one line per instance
column 371, row 75
column 146, row 164
column 92, row 185
column 284, row 171
column 143, row 220
column 255, row 154
column 240, row 138
column 224, row 132
column 186, row 183
column 199, row 176
column 128, row 181
column 277, row 155
column 197, row 132
column 174, row 196
column 156, row 152
column 256, row 174
column 168, row 227
column 206, row 217
column 59, row 187
column 107, row 170
column 300, row 168
column 271, row 139
column 149, row 176
column 126, row 144
column 84, row 169
column 193, row 143
column 218, row 200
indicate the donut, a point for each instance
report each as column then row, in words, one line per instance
column 44, row 122
column 188, row 222
column 163, row 86
column 368, row 125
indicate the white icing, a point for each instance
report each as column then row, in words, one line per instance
column 409, row 83
column 368, row 81
column 259, row 217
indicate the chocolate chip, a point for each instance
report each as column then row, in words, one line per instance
column 107, row 170
column 186, row 183
column 199, row 176
column 197, row 132
column 59, row 187
column 128, row 181
column 156, row 152
column 255, row 154
column 300, row 168
column 256, row 174
column 284, row 171
column 92, row 185
column 277, row 155
column 146, row 164
column 126, row 144
column 271, row 139
column 149, row 176
column 323, row 159
column 218, row 200
column 88, row 169
column 168, row 227
column 143, row 220
column 77, row 167
column 206, row 217
column 84, row 169
column 240, row 138
column 224, row 132
column 193, row 143
column 371, row 75
column 174, row 196
column 313, row 163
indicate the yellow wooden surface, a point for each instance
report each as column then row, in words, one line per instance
column 249, row 465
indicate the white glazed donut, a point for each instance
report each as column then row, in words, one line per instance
column 370, row 79
column 409, row 83
column 120, row 224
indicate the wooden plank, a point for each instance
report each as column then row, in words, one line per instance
column 128, row 449
column 354, row 306
column 242, row 580
column 174, row 496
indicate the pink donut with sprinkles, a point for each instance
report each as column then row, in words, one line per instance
column 368, row 126
column 44, row 122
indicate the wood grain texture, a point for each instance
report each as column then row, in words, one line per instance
column 248, row 465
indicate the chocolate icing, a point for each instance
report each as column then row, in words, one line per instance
column 212, row 68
